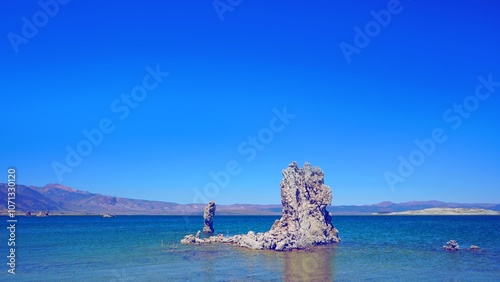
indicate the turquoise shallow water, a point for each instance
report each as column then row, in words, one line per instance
column 373, row 248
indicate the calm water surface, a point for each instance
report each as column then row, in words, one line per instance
column 373, row 248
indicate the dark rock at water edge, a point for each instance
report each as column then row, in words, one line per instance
column 451, row 245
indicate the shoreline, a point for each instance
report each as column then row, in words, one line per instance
column 242, row 215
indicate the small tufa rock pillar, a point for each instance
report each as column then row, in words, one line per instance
column 208, row 218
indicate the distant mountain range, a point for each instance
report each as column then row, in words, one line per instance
column 387, row 207
column 59, row 199
column 447, row 211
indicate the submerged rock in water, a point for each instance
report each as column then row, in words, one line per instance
column 304, row 221
column 208, row 218
column 451, row 245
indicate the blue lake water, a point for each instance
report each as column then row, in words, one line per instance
column 129, row 248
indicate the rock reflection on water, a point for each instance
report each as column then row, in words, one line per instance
column 314, row 265
column 218, row 262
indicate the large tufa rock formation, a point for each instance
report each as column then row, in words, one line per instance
column 304, row 221
column 208, row 218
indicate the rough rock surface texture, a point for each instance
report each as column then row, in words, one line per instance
column 208, row 218
column 451, row 245
column 304, row 222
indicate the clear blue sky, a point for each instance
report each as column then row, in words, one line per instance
column 225, row 78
